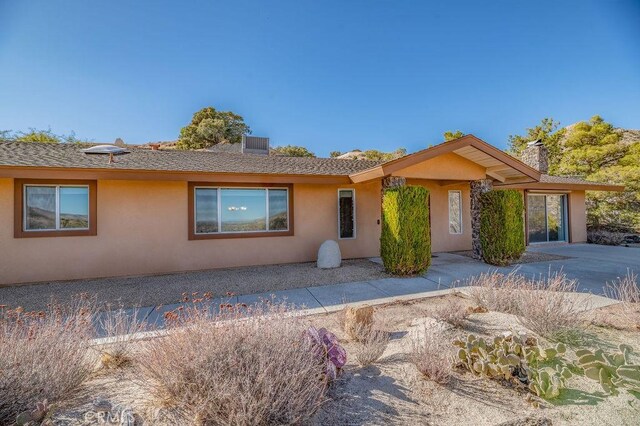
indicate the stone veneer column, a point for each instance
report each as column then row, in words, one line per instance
column 393, row 182
column 478, row 187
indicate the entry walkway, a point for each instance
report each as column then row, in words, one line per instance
column 592, row 265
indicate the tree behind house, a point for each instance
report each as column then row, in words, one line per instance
column 210, row 127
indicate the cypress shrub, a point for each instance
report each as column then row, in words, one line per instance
column 405, row 242
column 502, row 226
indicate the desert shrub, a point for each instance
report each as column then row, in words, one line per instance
column 502, row 226
column 452, row 312
column 432, row 355
column 44, row 357
column 604, row 237
column 626, row 290
column 518, row 360
column 547, row 305
column 405, row 242
column 121, row 328
column 371, row 345
column 250, row 366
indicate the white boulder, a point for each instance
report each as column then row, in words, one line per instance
column 329, row 255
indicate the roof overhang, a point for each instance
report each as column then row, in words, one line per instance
column 499, row 165
column 548, row 186
column 25, row 172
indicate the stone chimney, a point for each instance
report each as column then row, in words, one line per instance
column 536, row 155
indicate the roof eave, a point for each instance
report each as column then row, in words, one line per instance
column 389, row 167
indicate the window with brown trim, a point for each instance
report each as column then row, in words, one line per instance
column 54, row 208
column 240, row 210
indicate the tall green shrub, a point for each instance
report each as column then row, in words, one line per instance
column 502, row 226
column 405, row 243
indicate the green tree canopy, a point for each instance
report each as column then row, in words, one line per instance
column 451, row 135
column 209, row 127
column 334, row 154
column 293, row 151
column 375, row 155
column 549, row 133
column 593, row 150
column 42, row 136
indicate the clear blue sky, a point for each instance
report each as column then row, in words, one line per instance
column 330, row 75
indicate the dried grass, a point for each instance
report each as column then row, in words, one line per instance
column 626, row 290
column 247, row 366
column 43, row 355
column 453, row 312
column 122, row 328
column 547, row 305
column 432, row 355
column 370, row 343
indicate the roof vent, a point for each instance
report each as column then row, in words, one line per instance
column 537, row 142
column 105, row 149
column 255, row 145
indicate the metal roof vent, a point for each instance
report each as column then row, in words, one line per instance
column 537, row 142
column 105, row 149
column 255, row 145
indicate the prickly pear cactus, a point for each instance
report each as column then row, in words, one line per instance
column 515, row 358
column 612, row 371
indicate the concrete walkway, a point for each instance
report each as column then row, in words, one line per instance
column 592, row 265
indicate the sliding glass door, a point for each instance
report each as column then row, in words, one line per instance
column 547, row 217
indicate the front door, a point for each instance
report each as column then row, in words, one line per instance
column 547, row 218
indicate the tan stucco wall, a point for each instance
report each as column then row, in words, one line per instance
column 577, row 217
column 441, row 239
column 142, row 229
column 444, row 167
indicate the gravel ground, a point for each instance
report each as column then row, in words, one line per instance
column 527, row 257
column 157, row 290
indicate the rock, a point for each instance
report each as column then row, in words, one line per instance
column 329, row 255
column 102, row 405
column 528, row 421
column 357, row 321
column 23, row 418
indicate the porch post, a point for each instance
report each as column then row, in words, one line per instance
column 478, row 187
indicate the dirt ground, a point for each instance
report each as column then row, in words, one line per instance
column 155, row 290
column 392, row 391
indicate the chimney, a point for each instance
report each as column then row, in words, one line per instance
column 255, row 145
column 119, row 142
column 536, row 155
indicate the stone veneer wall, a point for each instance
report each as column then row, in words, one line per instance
column 478, row 187
column 536, row 156
column 393, row 182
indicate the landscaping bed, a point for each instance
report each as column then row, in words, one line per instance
column 402, row 367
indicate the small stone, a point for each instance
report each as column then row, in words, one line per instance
column 357, row 320
column 528, row 421
column 102, row 405
column 329, row 255
column 23, row 418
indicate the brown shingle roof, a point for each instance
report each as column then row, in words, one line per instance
column 567, row 180
column 32, row 154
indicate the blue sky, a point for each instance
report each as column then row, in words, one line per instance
column 329, row 75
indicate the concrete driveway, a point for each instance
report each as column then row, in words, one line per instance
column 592, row 265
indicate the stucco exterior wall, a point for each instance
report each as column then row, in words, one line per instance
column 142, row 229
column 577, row 217
column 441, row 239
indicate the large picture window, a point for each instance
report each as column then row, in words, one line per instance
column 48, row 208
column 229, row 211
column 346, row 213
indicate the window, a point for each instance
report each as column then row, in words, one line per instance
column 46, row 208
column 346, row 213
column 235, row 211
column 455, row 212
